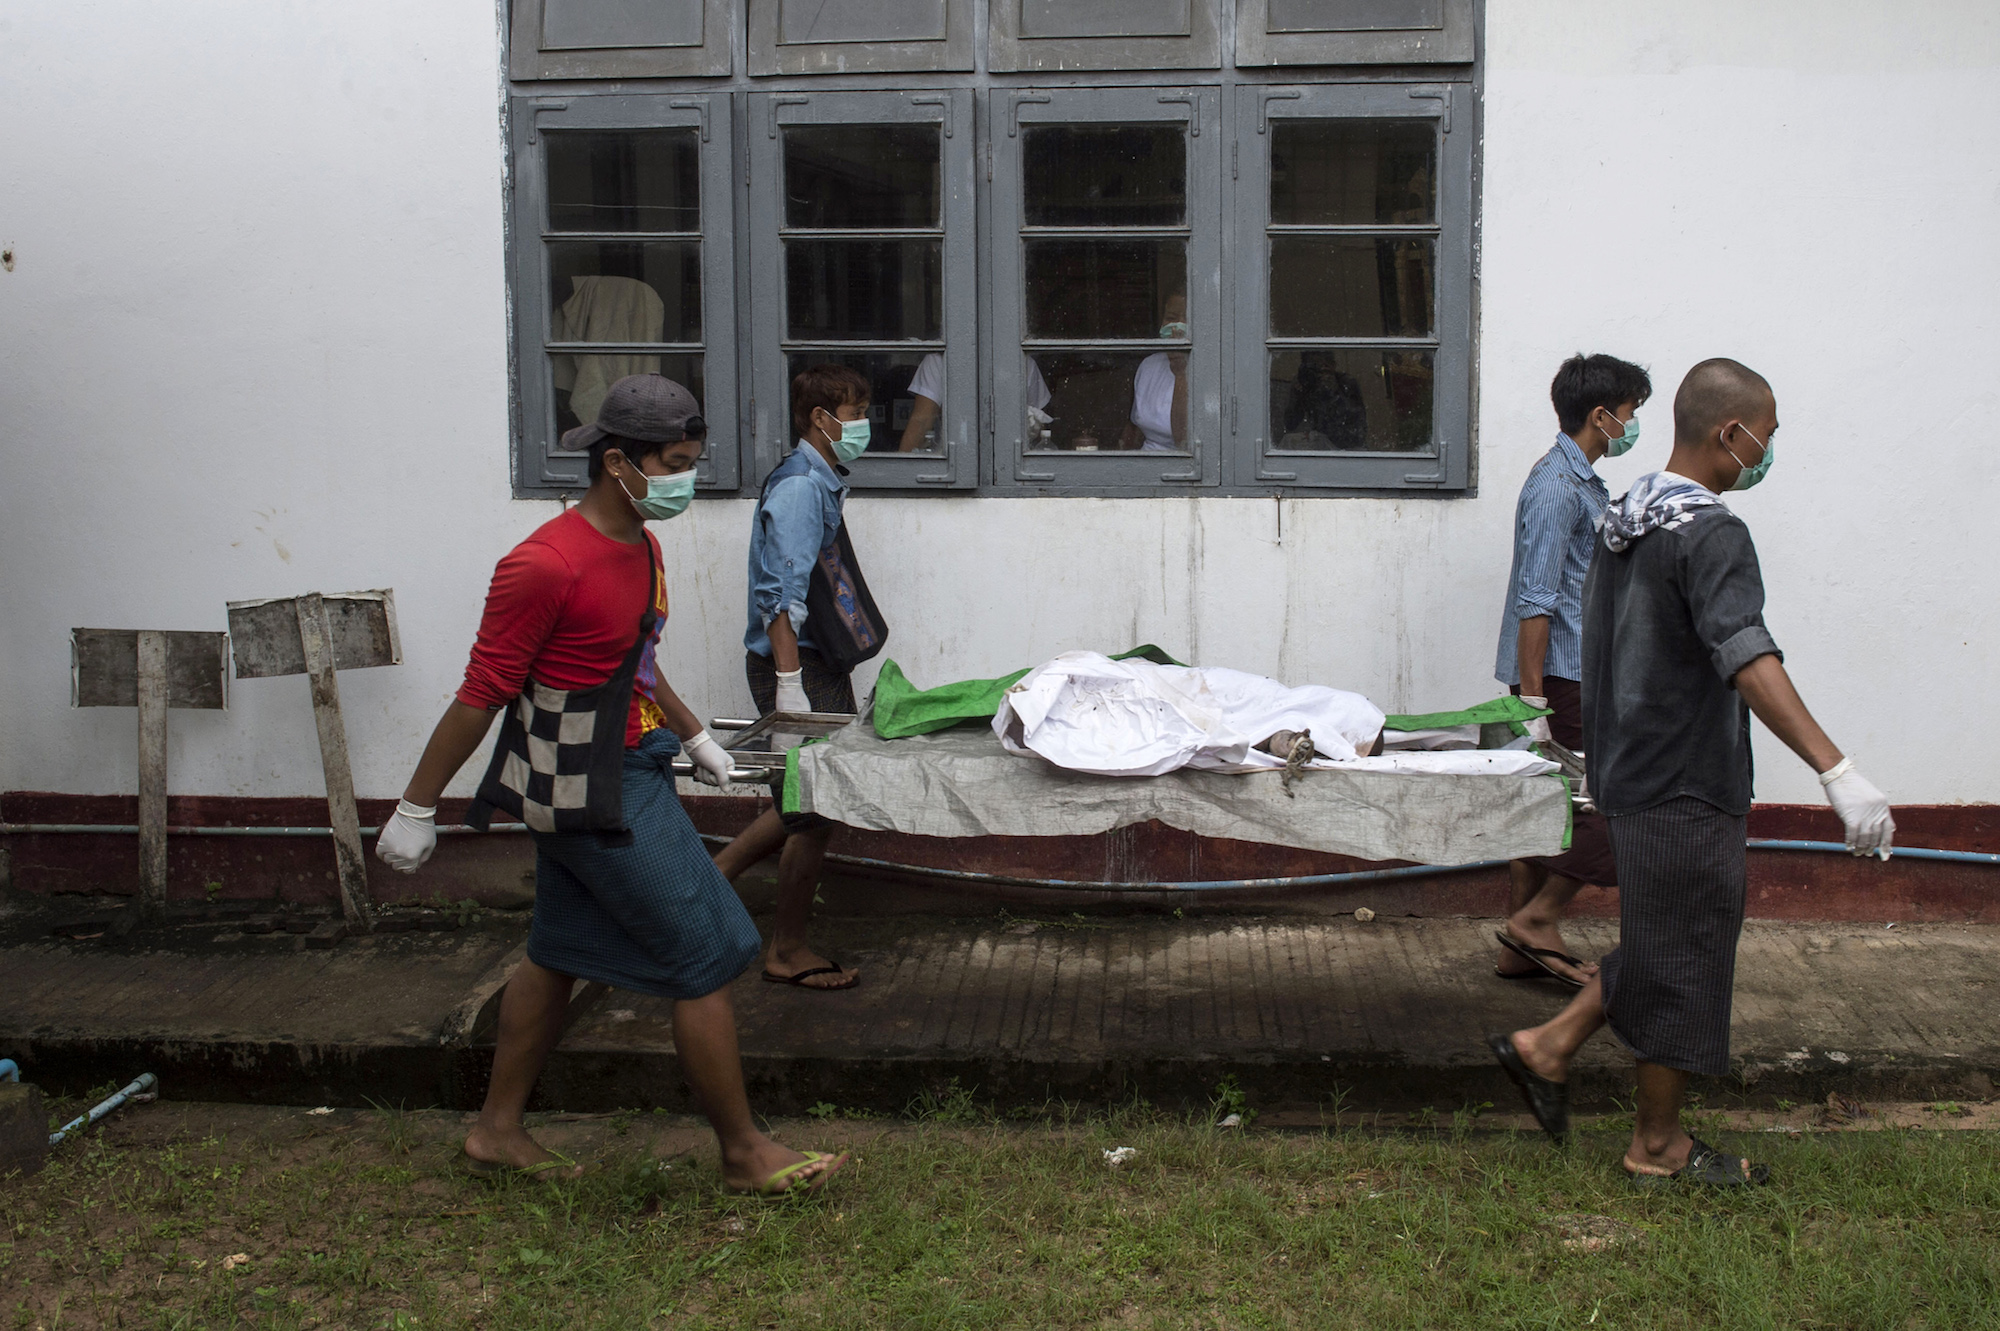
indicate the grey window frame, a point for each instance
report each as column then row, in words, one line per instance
column 1448, row 466
column 951, row 109
column 1199, row 107
column 529, row 59
column 542, row 468
column 768, row 55
column 1010, row 51
column 1451, row 40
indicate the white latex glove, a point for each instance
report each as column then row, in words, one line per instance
column 408, row 838
column 1863, row 809
column 1538, row 727
column 792, row 691
column 711, row 762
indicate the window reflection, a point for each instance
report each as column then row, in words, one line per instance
column 1351, row 286
column 864, row 290
column 1104, row 175
column 863, row 176
column 1101, row 288
column 1353, row 172
column 1352, row 399
column 624, row 180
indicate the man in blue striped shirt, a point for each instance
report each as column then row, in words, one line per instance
column 1541, row 638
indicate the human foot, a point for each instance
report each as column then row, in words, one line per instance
column 1535, row 947
column 1691, row 1160
column 769, row 1169
column 808, row 970
column 510, row 1147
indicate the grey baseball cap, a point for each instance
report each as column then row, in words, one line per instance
column 648, row 407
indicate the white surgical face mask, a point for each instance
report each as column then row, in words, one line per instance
column 852, row 441
column 665, row 496
column 1622, row 444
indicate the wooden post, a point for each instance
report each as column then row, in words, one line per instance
column 316, row 639
column 152, row 680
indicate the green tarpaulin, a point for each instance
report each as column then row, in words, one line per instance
column 902, row 709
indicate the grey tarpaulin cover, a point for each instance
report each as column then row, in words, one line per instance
column 961, row 783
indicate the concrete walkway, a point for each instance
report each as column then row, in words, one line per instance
column 1303, row 1013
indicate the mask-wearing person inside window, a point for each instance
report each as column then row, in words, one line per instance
column 1159, row 421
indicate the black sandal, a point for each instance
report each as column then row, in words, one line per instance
column 1708, row 1167
column 799, row 979
column 1547, row 1100
column 1540, row 958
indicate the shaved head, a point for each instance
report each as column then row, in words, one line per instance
column 1714, row 393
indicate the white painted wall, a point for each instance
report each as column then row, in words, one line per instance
column 255, row 344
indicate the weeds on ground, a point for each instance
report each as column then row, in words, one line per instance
column 272, row 1218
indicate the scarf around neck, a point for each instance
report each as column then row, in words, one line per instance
column 1658, row 501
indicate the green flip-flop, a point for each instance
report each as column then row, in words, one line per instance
column 780, row 1183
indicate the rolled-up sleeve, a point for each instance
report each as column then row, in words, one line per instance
column 1725, row 592
column 790, row 547
column 1547, row 517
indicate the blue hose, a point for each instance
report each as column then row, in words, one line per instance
column 145, row 1081
column 9, row 1070
column 1900, row 852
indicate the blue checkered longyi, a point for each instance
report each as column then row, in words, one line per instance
column 655, row 917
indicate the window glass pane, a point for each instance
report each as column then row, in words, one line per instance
column 1105, row 175
column 625, row 291
column 1351, row 286
column 1347, row 172
column 864, row 290
column 893, row 407
column 1107, row 401
column 1352, row 398
column 582, row 381
column 1105, row 288
column 624, row 180
column 862, row 175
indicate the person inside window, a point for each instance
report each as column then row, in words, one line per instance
column 1159, row 421
column 927, row 404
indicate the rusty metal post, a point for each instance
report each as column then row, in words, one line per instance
column 316, row 638
column 152, row 681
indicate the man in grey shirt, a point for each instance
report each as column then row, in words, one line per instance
column 1675, row 658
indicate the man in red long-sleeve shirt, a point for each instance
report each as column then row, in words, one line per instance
column 639, row 905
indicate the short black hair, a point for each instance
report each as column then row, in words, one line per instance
column 1714, row 393
column 638, row 450
column 1585, row 383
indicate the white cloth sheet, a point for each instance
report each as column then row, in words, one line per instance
column 1087, row 713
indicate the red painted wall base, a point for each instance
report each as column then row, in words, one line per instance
column 498, row 869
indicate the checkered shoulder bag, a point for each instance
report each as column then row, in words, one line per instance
column 559, row 764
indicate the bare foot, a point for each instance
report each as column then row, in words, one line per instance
column 1640, row 1160
column 784, row 965
column 1534, row 933
column 750, row 1168
column 1540, row 1061
column 511, row 1146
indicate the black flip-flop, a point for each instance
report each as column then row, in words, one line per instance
column 1708, row 1167
column 1539, row 957
column 798, row 980
column 1547, row 1100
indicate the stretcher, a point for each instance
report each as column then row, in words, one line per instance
column 960, row 782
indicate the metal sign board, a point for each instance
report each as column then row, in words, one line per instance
column 104, row 668
column 266, row 633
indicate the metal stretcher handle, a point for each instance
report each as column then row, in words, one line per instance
column 748, row 775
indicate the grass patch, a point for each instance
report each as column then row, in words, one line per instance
column 359, row 1219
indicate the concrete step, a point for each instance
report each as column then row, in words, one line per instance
column 1386, row 1015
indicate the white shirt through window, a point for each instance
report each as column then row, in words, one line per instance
column 1153, row 404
